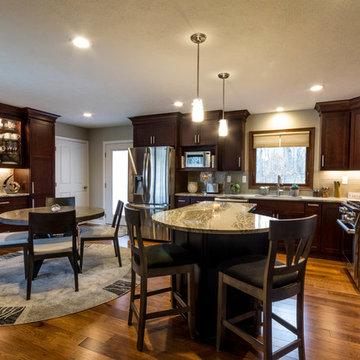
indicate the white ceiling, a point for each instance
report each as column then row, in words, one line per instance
column 142, row 59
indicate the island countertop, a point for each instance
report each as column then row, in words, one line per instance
column 230, row 218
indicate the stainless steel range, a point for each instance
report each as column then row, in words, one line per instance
column 350, row 222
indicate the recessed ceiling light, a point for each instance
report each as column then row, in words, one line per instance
column 316, row 87
column 81, row 42
column 178, row 103
column 279, row 109
column 87, row 114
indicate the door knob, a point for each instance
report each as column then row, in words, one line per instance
column 85, row 187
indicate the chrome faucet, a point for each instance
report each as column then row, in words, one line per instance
column 278, row 186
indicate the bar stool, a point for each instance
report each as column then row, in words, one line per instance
column 268, row 280
column 154, row 261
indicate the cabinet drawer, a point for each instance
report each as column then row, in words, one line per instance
column 181, row 201
column 196, row 199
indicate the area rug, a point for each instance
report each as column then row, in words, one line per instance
column 53, row 292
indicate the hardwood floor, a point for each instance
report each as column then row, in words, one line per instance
column 332, row 327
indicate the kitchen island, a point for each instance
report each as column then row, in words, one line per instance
column 214, row 232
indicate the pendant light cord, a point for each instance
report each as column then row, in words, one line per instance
column 223, row 107
column 198, row 71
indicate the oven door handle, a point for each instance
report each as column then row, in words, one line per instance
column 347, row 230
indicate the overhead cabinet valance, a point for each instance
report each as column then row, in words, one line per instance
column 281, row 139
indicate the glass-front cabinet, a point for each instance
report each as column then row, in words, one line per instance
column 10, row 142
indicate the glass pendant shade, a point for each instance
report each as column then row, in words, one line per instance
column 223, row 127
column 197, row 110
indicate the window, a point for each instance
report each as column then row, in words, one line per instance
column 288, row 153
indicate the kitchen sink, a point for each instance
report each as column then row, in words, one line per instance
column 279, row 196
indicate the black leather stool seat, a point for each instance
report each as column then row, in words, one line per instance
column 251, row 268
column 166, row 255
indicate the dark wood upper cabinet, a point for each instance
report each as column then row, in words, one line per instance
column 40, row 136
column 232, row 147
column 340, row 134
column 199, row 134
column 156, row 130
column 355, row 140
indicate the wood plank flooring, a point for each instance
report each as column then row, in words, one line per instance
column 332, row 326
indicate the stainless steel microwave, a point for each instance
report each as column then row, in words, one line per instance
column 198, row 159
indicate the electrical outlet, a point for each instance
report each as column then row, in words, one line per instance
column 228, row 178
column 244, row 179
column 344, row 180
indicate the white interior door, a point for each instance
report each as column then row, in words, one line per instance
column 72, row 169
column 116, row 177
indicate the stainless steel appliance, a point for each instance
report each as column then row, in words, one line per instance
column 212, row 188
column 198, row 159
column 151, row 186
column 350, row 222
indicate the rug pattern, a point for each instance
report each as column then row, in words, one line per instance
column 53, row 292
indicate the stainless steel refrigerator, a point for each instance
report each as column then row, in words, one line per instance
column 151, row 186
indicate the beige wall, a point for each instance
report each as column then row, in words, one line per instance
column 96, row 140
column 70, row 131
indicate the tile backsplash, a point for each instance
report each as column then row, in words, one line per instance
column 321, row 178
column 4, row 173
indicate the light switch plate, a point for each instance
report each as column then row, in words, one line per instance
column 244, row 179
column 344, row 180
column 228, row 178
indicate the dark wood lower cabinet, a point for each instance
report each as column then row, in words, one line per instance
column 313, row 208
column 181, row 201
column 331, row 232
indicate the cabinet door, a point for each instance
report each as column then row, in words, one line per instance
column 42, row 159
column 142, row 135
column 315, row 209
column 232, row 147
column 164, row 134
column 265, row 207
column 331, row 233
column 208, row 134
column 355, row 140
column 13, row 203
column 335, row 136
column 290, row 209
column 189, row 133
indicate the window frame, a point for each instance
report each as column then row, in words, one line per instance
column 309, row 159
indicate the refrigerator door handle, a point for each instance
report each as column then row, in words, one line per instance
column 146, row 176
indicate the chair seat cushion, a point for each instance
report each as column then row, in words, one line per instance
column 166, row 255
column 250, row 269
column 13, row 238
column 97, row 231
column 53, row 245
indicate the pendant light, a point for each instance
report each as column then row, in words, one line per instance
column 223, row 124
column 197, row 105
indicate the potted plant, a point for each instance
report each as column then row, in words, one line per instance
column 235, row 187
column 294, row 190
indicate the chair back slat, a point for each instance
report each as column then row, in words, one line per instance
column 62, row 201
column 117, row 217
column 133, row 221
column 297, row 235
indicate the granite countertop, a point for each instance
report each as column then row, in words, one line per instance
column 4, row 194
column 267, row 197
column 231, row 218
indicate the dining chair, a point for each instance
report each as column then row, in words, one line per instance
column 55, row 246
column 103, row 232
column 62, row 201
column 153, row 261
column 268, row 280
column 13, row 240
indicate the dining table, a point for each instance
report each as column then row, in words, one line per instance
column 215, row 232
column 21, row 216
